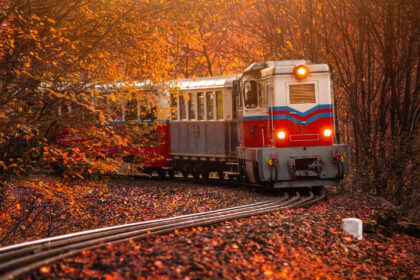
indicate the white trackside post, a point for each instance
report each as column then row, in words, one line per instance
column 354, row 227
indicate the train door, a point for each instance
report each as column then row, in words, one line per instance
column 255, row 114
column 269, row 91
column 237, row 107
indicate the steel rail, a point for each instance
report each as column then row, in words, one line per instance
column 103, row 236
column 33, row 246
column 40, row 245
column 38, row 253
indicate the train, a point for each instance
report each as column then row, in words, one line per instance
column 273, row 124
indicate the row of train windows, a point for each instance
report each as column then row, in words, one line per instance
column 201, row 106
column 257, row 95
column 130, row 111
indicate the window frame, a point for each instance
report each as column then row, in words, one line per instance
column 182, row 108
column 217, row 105
column 212, row 94
column 192, row 104
column 203, row 97
column 245, row 94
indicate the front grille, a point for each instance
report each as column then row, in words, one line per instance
column 302, row 93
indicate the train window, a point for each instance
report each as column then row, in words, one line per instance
column 191, row 106
column 200, row 105
column 148, row 112
column 250, row 92
column 210, row 105
column 173, row 107
column 262, row 96
column 182, row 112
column 219, row 105
column 131, row 110
column 116, row 112
column 300, row 94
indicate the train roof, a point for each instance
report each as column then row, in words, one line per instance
column 206, row 82
column 280, row 67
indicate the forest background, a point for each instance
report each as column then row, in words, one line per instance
column 52, row 53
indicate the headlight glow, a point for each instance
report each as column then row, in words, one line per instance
column 327, row 132
column 281, row 134
column 301, row 72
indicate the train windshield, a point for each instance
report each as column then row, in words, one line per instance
column 251, row 94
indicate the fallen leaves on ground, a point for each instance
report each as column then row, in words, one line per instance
column 44, row 206
column 294, row 244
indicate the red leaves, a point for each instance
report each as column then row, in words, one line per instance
column 293, row 243
column 44, row 206
column 299, row 243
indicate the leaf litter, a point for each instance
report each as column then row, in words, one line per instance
column 305, row 243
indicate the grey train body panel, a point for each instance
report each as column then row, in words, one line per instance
column 203, row 138
column 286, row 173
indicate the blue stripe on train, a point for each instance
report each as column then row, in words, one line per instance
column 302, row 114
column 288, row 117
column 317, row 116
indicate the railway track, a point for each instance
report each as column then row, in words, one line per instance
column 18, row 260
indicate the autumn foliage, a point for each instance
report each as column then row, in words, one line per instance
column 54, row 54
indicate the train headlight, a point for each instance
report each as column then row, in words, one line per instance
column 327, row 132
column 301, row 72
column 281, row 135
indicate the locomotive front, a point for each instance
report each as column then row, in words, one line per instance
column 286, row 125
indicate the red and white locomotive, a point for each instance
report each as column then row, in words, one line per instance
column 272, row 124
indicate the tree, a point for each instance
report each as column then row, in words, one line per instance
column 53, row 55
column 204, row 48
column 373, row 49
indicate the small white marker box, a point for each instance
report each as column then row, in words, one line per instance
column 353, row 226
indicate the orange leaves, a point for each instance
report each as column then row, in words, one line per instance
column 45, row 270
column 60, row 60
column 159, row 264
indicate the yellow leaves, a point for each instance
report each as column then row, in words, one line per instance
column 11, row 43
column 289, row 44
column 112, row 97
column 102, row 118
column 50, row 20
